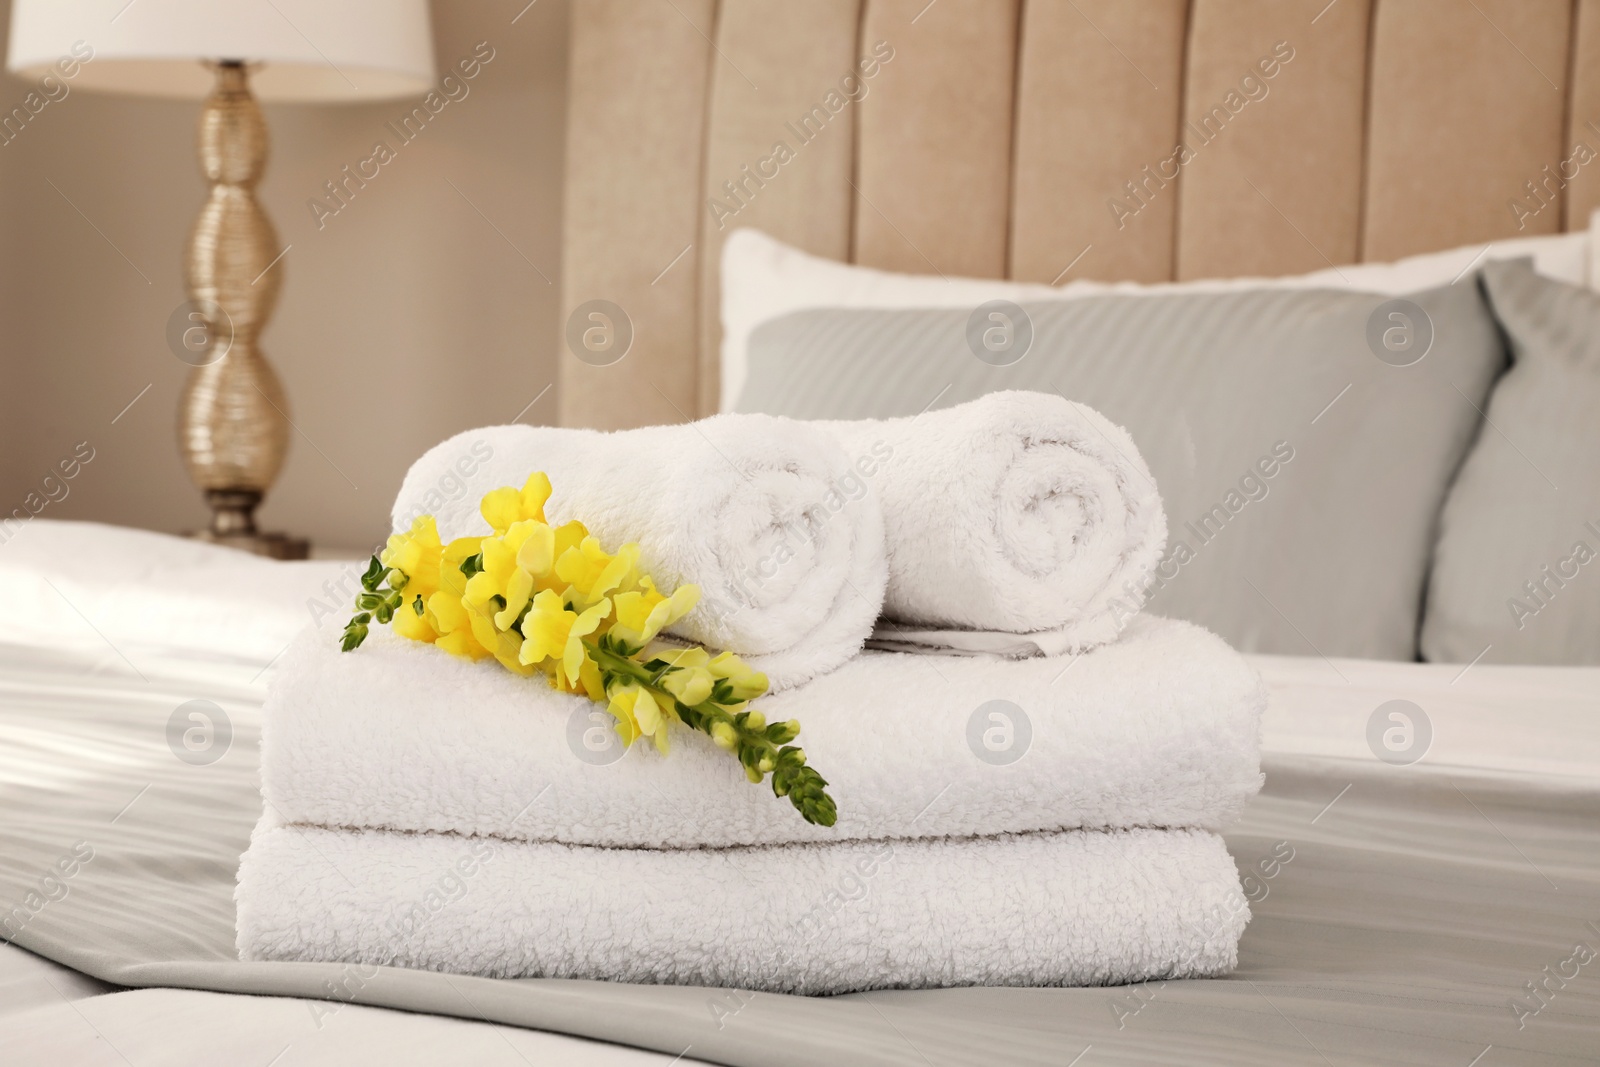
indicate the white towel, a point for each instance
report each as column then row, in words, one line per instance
column 766, row 515
column 1081, row 908
column 1017, row 512
column 1158, row 729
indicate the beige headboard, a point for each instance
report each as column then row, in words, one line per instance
column 999, row 137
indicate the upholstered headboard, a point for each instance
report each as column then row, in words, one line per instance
column 1040, row 140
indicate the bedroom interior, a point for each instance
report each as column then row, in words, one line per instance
column 1120, row 474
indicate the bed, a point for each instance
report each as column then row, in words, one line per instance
column 1400, row 910
column 1423, row 863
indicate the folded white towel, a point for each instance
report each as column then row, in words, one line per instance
column 1081, row 908
column 765, row 515
column 1016, row 512
column 1157, row 729
column 897, row 637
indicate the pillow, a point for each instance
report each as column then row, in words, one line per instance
column 134, row 594
column 763, row 278
column 1516, row 574
column 1302, row 474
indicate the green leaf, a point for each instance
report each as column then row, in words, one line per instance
column 416, row 605
column 374, row 573
column 472, row 565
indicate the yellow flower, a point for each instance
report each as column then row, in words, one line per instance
column 537, row 555
column 592, row 573
column 552, row 600
column 496, row 595
column 451, row 620
column 417, row 553
column 691, row 683
column 622, row 701
column 569, row 535
column 589, row 678
column 451, row 580
column 565, row 538
column 501, row 576
column 639, row 715
column 747, row 683
column 644, row 613
column 412, row 624
column 556, row 633
column 503, row 645
column 505, row 507
column 446, row 614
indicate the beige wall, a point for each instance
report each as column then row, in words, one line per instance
column 405, row 318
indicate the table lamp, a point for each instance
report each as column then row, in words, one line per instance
column 233, row 420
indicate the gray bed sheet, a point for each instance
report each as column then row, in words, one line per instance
column 1400, row 914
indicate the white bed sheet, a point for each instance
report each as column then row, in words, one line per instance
column 51, row 1015
column 1495, row 719
column 68, row 587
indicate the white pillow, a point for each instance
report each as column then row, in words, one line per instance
column 136, row 594
column 763, row 278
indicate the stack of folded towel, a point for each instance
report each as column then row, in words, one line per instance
column 1046, row 815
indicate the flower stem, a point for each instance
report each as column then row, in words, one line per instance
column 743, row 732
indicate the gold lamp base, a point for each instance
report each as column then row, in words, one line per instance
column 233, row 420
column 233, row 523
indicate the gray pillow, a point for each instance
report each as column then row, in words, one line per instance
column 1516, row 574
column 1302, row 474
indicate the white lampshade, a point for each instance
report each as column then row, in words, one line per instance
column 308, row 50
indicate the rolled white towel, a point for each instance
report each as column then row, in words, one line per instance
column 1018, row 512
column 1080, row 908
column 764, row 514
column 1157, row 729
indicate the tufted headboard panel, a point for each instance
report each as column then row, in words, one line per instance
column 1048, row 140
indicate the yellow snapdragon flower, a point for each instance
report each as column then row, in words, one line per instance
column 496, row 595
column 551, row 599
column 640, row 714
column 591, row 573
column 412, row 624
column 643, row 613
column 692, row 681
column 416, row 553
column 500, row 575
column 447, row 612
column 504, row 508
column 747, row 683
column 554, row 632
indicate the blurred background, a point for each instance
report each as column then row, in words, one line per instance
column 380, row 307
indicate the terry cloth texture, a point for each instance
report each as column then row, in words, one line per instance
column 1158, row 729
column 1018, row 512
column 764, row 514
column 1076, row 908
